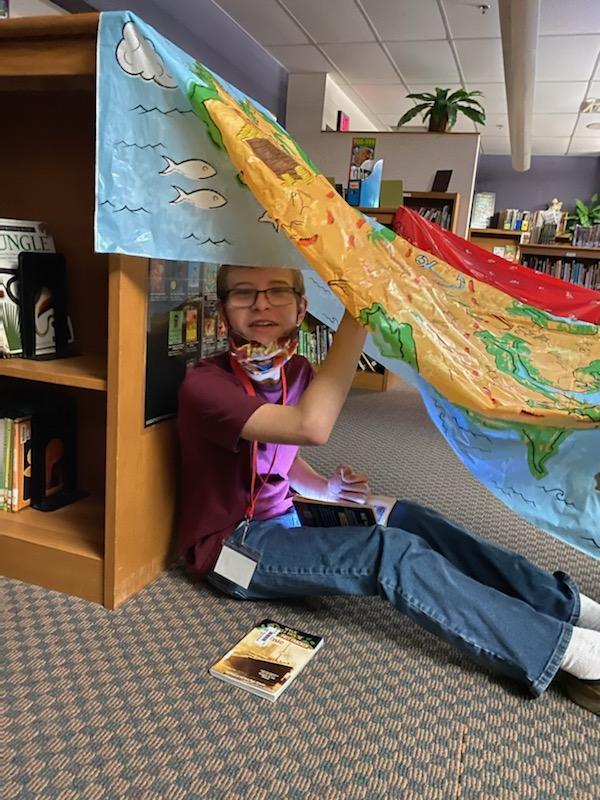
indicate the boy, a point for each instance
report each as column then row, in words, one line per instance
column 242, row 417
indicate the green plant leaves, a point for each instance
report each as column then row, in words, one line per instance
column 445, row 104
column 412, row 113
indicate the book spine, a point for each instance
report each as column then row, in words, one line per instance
column 8, row 450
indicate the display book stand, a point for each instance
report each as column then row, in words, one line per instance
column 108, row 545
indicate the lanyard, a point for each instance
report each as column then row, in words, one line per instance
column 251, row 391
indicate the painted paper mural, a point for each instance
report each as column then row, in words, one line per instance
column 189, row 168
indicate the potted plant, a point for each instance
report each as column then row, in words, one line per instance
column 442, row 108
column 586, row 215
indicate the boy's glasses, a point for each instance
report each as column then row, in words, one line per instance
column 246, row 298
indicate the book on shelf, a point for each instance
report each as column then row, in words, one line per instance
column 582, row 273
column 37, row 454
column 509, row 252
column 328, row 514
column 586, row 235
column 441, row 216
column 484, row 204
column 33, row 322
column 15, row 460
column 268, row 659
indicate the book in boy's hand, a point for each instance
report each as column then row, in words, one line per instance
column 328, row 514
column 267, row 659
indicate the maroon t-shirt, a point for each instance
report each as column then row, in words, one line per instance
column 216, row 463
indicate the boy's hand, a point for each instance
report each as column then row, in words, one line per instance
column 346, row 484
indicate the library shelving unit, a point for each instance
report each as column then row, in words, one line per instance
column 488, row 238
column 108, row 545
column 364, row 379
column 417, row 200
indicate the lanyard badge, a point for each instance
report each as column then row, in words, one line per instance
column 237, row 562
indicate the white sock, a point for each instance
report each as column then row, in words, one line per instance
column 590, row 613
column 582, row 657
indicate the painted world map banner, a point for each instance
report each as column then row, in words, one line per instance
column 190, row 168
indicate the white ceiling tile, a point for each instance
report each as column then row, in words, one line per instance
column 495, row 125
column 494, row 96
column 585, row 147
column 595, row 90
column 265, row 20
column 464, row 125
column 553, row 124
column 425, row 62
column 495, row 145
column 410, row 20
column 300, row 58
column 549, row 145
column 384, row 98
column 574, row 16
column 584, row 120
column 467, row 21
column 331, row 21
column 558, row 98
column 481, row 60
column 364, row 62
column 566, row 58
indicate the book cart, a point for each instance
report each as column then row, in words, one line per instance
column 419, row 200
column 117, row 538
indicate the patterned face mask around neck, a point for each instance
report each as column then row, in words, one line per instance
column 262, row 362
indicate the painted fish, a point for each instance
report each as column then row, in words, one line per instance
column 194, row 168
column 201, row 198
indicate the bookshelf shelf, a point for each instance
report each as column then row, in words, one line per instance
column 62, row 550
column 561, row 250
column 109, row 545
column 416, row 200
column 495, row 232
column 83, row 372
column 376, row 381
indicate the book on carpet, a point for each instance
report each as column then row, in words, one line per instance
column 327, row 514
column 267, row 659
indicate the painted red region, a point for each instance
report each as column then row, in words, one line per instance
column 559, row 297
column 330, row 218
column 308, row 241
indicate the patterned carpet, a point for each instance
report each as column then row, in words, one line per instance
column 120, row 705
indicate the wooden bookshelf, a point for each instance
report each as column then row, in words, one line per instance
column 561, row 251
column 84, row 372
column 364, row 379
column 416, row 200
column 495, row 232
column 108, row 545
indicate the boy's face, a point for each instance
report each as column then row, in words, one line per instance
column 260, row 317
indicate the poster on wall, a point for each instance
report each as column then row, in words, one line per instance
column 182, row 327
column 363, row 149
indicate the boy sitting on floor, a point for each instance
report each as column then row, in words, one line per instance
column 242, row 417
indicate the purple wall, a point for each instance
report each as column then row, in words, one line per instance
column 204, row 31
column 565, row 177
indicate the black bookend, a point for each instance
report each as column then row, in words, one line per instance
column 43, row 305
column 441, row 180
column 54, row 458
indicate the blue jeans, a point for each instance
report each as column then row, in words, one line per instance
column 491, row 603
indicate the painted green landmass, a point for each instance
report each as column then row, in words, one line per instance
column 513, row 357
column 381, row 234
column 199, row 94
column 545, row 320
column 542, row 443
column 590, row 375
column 393, row 339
